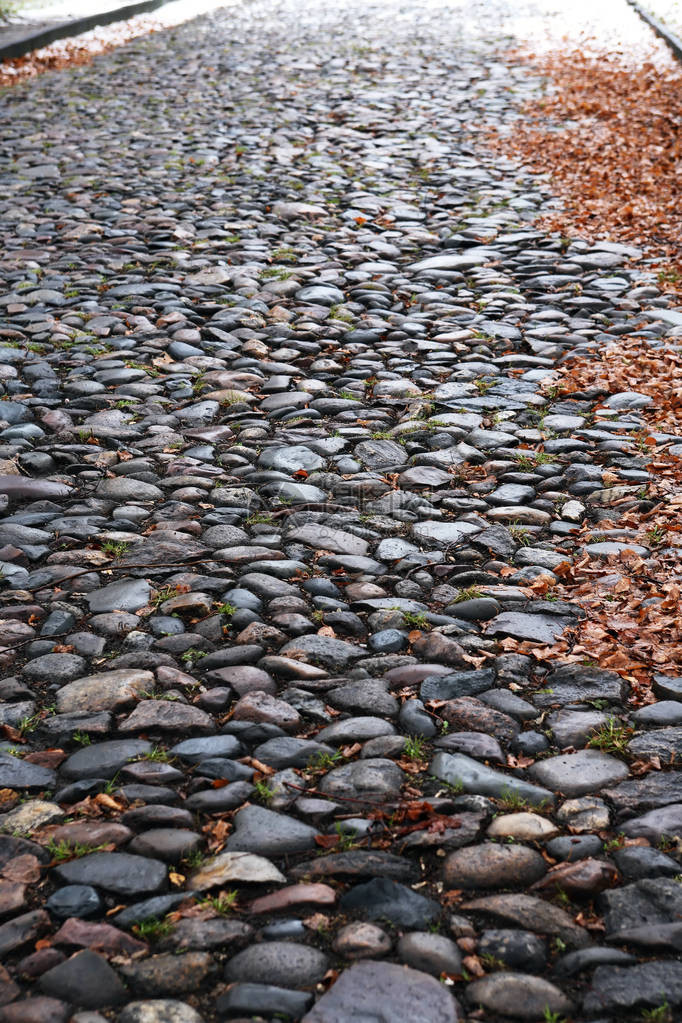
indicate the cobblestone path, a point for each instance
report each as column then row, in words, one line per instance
column 285, row 483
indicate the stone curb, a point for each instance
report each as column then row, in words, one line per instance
column 66, row 29
column 673, row 41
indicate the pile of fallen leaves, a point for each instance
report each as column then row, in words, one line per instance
column 608, row 134
column 81, row 49
column 633, row 621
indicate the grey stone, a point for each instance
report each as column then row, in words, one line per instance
column 248, row 1000
column 538, row 628
column 533, row 914
column 384, row 899
column 284, row 963
column 86, row 980
column 432, row 953
column 125, row 595
column 325, row 650
column 373, row 780
column 18, row 774
column 109, row 690
column 290, row 459
column 493, row 865
column 159, row 1010
column 574, row 774
column 269, row 834
column 518, row 995
column 384, row 991
column 432, row 533
column 464, row 772
column 103, row 759
column 646, row 985
column 328, row 538
column 118, row 873
column 664, row 822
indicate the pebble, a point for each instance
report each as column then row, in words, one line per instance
column 273, row 361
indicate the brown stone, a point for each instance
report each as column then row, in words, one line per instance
column 12, row 897
column 37, row 963
column 362, row 941
column 8, row 989
column 23, row 929
column 532, row 914
column 295, row 895
column 435, row 646
column 469, row 714
column 493, row 866
column 24, row 868
column 167, row 974
column 581, row 880
column 243, row 678
column 168, row 717
column 264, row 635
column 92, row 833
column 99, row 937
column 262, row 707
column 36, row 1010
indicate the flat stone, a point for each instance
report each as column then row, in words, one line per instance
column 436, row 534
column 255, row 1000
column 159, row 1010
column 168, row 973
column 478, row 255
column 293, row 897
column 19, row 774
column 267, row 833
column 125, row 595
column 212, row 933
column 523, row 827
column 493, row 866
column 537, row 628
column 462, row 771
column 103, row 759
column 533, row 914
column 284, row 963
column 165, row 716
column 383, row 899
column 356, row 863
column 658, row 788
column 324, row 650
column 576, row 773
column 228, row 867
column 572, row 683
column 664, row 743
column 109, row 690
column 455, row 684
column 371, row 779
column 118, row 873
column 86, row 980
column 98, row 937
column 518, row 995
column 647, row 985
column 123, row 489
column 649, row 901
column 196, row 750
column 290, row 459
column 432, row 953
column 57, row 667
column 328, row 538
column 21, row 930
column 384, row 991
column 664, row 822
